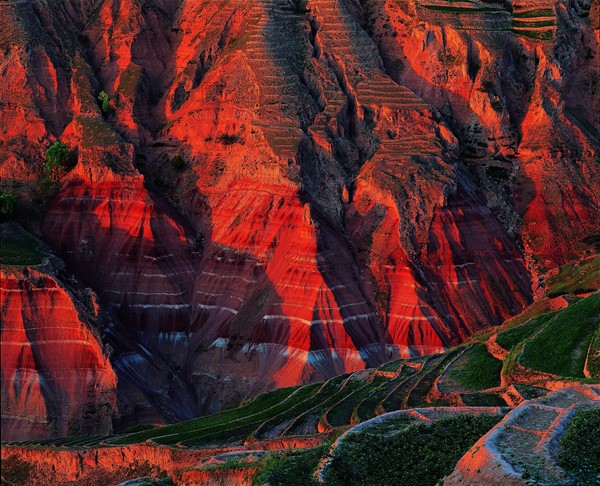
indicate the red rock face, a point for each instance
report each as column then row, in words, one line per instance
column 278, row 197
column 56, row 380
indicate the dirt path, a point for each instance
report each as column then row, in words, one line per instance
column 494, row 348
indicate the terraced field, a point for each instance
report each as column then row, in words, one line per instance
column 465, row 375
column 526, row 20
column 525, row 359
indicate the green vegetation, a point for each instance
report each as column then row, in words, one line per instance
column 291, row 469
column 48, row 187
column 97, row 132
column 536, row 34
column 560, row 347
column 261, row 407
column 483, row 400
column 580, row 447
column 509, row 339
column 519, row 24
column 537, row 12
column 129, row 81
column 476, row 369
column 7, row 203
column 418, row 394
column 419, row 454
column 104, row 100
column 59, row 161
column 392, row 366
column 576, row 278
column 594, row 355
column 341, row 413
column 556, row 342
column 21, row 251
column 138, row 428
column 530, row 392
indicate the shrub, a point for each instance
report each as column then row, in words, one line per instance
column 560, row 346
column 420, row 454
column 479, row 370
column 104, row 100
column 580, row 447
column 7, row 203
column 291, row 469
column 59, row 161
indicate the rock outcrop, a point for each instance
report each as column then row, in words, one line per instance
column 56, row 376
column 280, row 195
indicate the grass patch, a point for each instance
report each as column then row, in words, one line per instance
column 367, row 408
column 476, row 370
column 483, row 400
column 420, row 454
column 418, row 395
column 509, row 339
column 291, row 469
column 519, row 24
column 535, row 34
column 530, row 392
column 22, row 251
column 341, row 413
column 262, row 404
column 580, row 448
column 534, row 310
column 537, row 12
column 561, row 346
column 391, row 366
column 594, row 355
column 576, row 278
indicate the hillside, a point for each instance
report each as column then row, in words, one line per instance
column 290, row 430
column 262, row 194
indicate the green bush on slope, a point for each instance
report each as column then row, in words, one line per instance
column 560, row 347
column 293, row 469
column 479, row 370
column 418, row 455
column 509, row 339
column 580, row 447
column 59, row 161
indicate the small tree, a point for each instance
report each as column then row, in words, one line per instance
column 7, row 203
column 104, row 100
column 58, row 160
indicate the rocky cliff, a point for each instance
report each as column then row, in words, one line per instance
column 284, row 191
column 56, row 376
